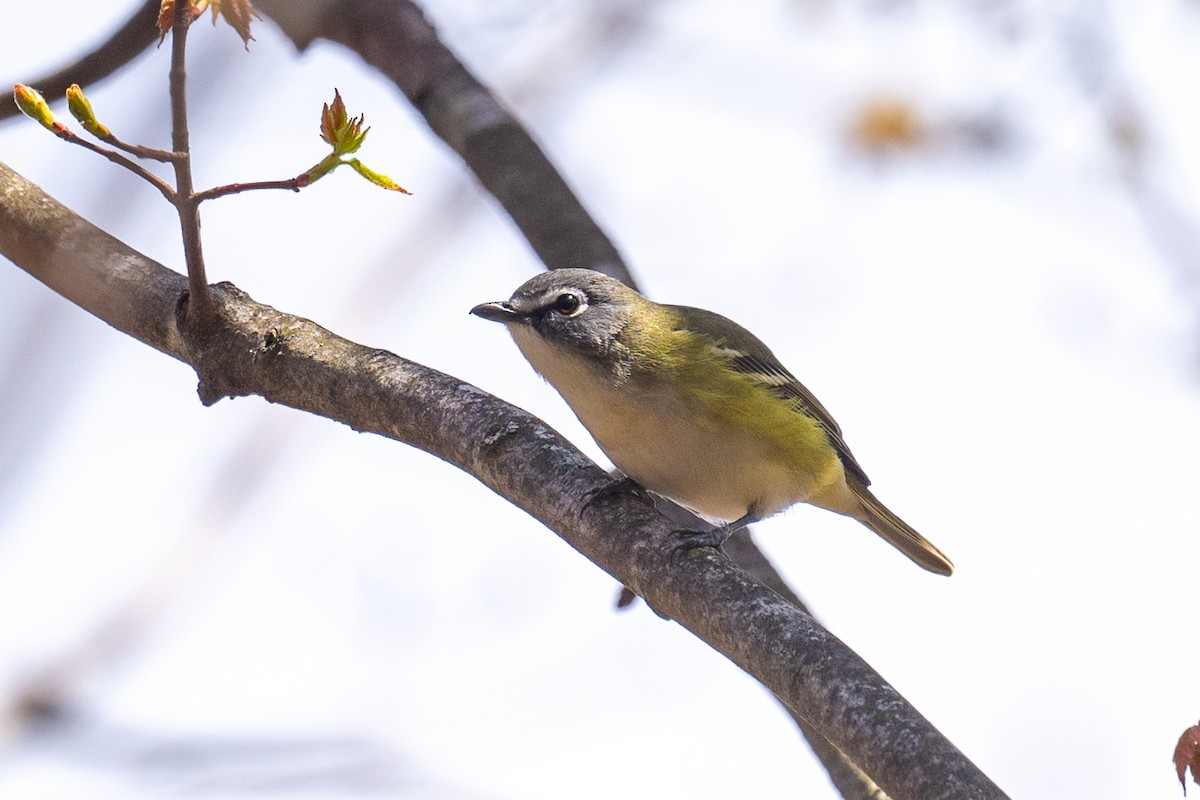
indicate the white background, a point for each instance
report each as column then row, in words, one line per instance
column 274, row 606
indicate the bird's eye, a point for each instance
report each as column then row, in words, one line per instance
column 567, row 304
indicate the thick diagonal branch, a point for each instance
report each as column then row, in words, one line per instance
column 289, row 360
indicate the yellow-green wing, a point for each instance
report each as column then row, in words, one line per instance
column 748, row 355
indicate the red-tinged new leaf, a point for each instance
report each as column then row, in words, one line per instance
column 333, row 118
column 237, row 13
column 1187, row 756
column 345, row 134
column 166, row 15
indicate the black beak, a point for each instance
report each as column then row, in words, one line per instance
column 500, row 311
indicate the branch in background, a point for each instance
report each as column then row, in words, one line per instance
column 288, row 360
column 122, row 47
column 397, row 39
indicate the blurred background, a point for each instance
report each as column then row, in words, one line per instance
column 971, row 228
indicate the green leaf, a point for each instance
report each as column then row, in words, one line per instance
column 375, row 177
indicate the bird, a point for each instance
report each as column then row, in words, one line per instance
column 693, row 407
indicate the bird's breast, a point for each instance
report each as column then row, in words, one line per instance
column 674, row 445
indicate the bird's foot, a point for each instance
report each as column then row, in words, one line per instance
column 714, row 537
column 618, row 486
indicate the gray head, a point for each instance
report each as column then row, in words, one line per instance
column 579, row 309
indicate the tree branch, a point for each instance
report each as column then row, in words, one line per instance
column 258, row 350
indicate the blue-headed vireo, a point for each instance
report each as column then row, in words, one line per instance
column 692, row 406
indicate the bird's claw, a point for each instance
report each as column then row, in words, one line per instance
column 690, row 540
column 618, row 486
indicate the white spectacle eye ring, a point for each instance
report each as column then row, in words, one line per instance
column 569, row 304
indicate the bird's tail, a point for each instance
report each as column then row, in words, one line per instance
column 898, row 534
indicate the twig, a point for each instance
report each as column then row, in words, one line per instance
column 291, row 184
column 140, row 151
column 67, row 135
column 200, row 307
